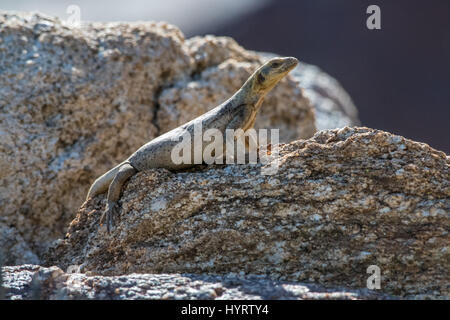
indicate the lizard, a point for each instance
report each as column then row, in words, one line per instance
column 238, row 112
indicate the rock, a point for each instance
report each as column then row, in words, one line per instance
column 35, row 282
column 74, row 103
column 340, row 202
column 77, row 101
column 14, row 249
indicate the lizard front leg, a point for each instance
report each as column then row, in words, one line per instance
column 124, row 173
column 243, row 120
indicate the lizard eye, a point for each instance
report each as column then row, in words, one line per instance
column 275, row 64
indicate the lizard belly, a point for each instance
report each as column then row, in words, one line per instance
column 156, row 154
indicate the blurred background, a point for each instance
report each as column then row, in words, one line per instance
column 398, row 77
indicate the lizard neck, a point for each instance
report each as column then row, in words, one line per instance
column 248, row 94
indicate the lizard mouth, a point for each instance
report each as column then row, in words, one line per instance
column 289, row 63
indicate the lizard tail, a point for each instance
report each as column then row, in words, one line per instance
column 101, row 185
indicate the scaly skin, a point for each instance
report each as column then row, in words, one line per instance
column 238, row 112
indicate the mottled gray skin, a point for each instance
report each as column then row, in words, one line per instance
column 157, row 153
column 238, row 112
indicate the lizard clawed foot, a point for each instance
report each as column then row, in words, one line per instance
column 109, row 214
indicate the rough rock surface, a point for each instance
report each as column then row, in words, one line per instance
column 76, row 101
column 341, row 201
column 34, row 282
column 14, row 249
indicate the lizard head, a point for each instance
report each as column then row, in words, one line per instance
column 270, row 73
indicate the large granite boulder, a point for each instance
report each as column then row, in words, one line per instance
column 340, row 202
column 76, row 101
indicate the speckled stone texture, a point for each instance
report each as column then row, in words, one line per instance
column 74, row 102
column 35, row 282
column 341, row 201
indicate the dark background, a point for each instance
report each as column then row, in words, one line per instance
column 398, row 77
